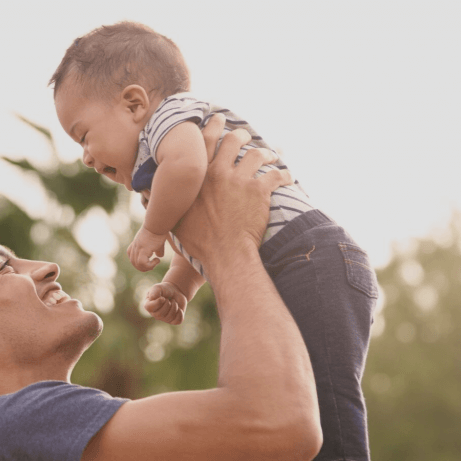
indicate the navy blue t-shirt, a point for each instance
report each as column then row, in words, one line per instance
column 52, row 420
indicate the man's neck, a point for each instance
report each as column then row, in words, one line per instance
column 15, row 378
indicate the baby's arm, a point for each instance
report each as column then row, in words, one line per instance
column 167, row 300
column 182, row 164
column 182, row 161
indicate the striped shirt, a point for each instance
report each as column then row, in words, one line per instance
column 287, row 202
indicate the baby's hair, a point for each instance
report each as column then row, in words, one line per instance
column 110, row 58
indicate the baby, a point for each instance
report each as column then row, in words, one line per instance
column 122, row 92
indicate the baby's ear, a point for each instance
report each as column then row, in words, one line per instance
column 134, row 98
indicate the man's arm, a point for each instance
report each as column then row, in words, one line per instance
column 265, row 406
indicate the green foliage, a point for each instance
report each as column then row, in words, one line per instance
column 135, row 356
column 42, row 130
column 74, row 185
column 413, row 375
column 15, row 226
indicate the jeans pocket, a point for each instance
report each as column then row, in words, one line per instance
column 359, row 272
column 274, row 268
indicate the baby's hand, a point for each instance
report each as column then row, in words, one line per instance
column 166, row 302
column 142, row 248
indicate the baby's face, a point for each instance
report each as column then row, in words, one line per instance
column 106, row 131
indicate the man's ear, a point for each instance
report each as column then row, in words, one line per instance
column 135, row 99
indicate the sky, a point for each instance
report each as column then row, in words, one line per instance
column 363, row 98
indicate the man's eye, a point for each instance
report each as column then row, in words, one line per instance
column 5, row 267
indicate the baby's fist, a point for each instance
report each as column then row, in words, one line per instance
column 144, row 249
column 166, row 302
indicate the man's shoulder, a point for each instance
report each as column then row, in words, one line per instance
column 53, row 417
column 58, row 396
column 44, row 387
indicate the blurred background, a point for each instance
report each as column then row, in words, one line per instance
column 363, row 100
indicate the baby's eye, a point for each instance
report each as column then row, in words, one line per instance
column 83, row 139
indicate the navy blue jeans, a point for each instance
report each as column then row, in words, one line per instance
column 326, row 281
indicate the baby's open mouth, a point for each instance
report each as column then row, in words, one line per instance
column 109, row 170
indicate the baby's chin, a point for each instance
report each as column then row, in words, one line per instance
column 119, row 178
column 127, row 184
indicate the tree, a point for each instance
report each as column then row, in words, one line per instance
column 412, row 382
column 135, row 356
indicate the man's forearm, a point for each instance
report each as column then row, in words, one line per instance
column 251, row 308
column 263, row 359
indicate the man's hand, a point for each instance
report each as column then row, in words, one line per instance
column 143, row 247
column 232, row 207
column 166, row 302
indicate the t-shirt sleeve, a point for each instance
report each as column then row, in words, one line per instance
column 52, row 420
column 174, row 110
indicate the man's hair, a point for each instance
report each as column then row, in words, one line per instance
column 109, row 58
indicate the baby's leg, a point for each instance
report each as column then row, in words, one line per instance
column 327, row 283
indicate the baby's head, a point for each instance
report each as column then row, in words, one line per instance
column 107, row 86
column 109, row 58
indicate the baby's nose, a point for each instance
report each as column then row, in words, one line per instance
column 88, row 160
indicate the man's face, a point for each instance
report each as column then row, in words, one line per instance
column 106, row 131
column 37, row 319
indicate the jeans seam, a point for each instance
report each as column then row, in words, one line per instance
column 349, row 261
column 302, row 257
column 349, row 247
column 327, row 344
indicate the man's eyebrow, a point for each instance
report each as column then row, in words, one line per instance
column 6, row 252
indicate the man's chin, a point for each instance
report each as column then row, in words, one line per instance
column 81, row 335
column 95, row 326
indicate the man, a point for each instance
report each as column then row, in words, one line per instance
column 265, row 404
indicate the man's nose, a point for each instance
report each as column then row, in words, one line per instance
column 45, row 270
